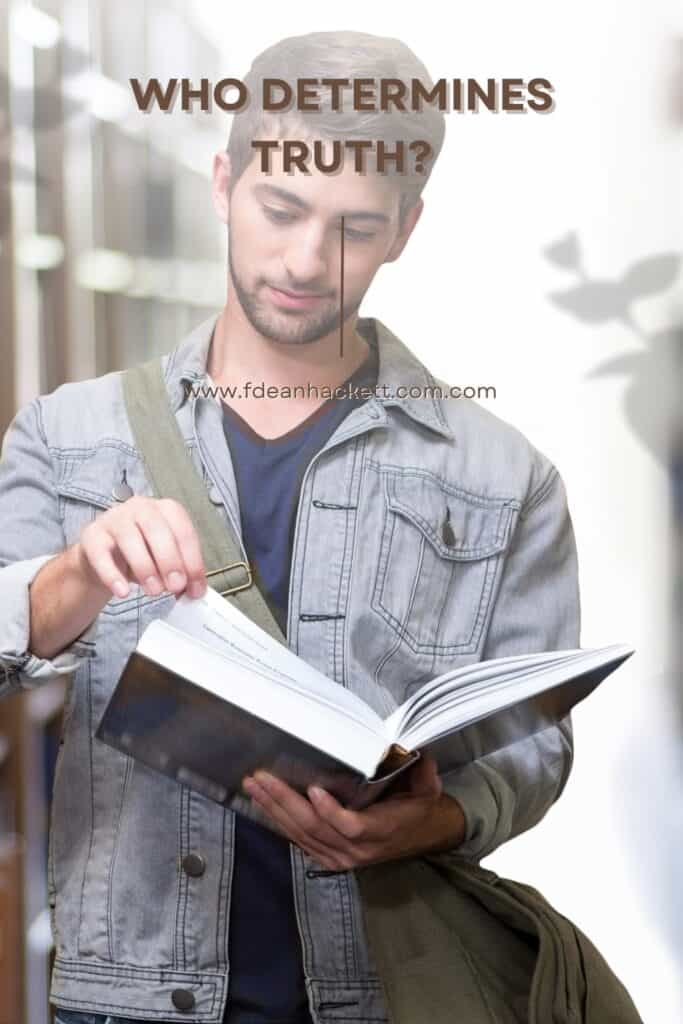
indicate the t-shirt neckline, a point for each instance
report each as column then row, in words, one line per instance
column 363, row 375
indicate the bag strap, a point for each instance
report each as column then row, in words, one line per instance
column 172, row 474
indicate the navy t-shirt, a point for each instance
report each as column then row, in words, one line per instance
column 266, row 970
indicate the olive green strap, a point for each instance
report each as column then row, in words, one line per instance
column 172, row 475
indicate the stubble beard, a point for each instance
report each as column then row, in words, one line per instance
column 288, row 328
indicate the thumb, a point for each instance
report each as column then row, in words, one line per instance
column 424, row 777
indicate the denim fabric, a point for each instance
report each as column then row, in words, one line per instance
column 382, row 598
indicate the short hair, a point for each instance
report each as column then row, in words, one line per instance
column 346, row 55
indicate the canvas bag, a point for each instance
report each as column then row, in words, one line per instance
column 453, row 943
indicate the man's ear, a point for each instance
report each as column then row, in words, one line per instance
column 220, row 186
column 411, row 218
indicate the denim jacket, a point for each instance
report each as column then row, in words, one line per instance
column 381, row 599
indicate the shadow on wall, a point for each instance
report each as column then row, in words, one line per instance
column 650, row 769
column 653, row 396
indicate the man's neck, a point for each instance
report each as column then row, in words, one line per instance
column 240, row 354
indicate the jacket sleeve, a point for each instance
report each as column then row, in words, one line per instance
column 31, row 535
column 537, row 609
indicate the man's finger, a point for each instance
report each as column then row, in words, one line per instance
column 162, row 544
column 295, row 830
column 102, row 555
column 288, row 800
column 376, row 826
column 188, row 544
column 356, row 826
column 132, row 546
column 304, row 813
column 305, row 829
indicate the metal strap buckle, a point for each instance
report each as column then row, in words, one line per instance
column 226, row 568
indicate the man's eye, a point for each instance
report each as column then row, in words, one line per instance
column 281, row 216
column 358, row 236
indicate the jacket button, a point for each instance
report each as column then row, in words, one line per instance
column 182, row 999
column 215, row 495
column 194, row 865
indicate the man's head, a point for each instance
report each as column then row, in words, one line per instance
column 285, row 241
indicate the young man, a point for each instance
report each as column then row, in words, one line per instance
column 394, row 536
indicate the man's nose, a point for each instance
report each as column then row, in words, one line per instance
column 306, row 257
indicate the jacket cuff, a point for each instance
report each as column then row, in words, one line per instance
column 21, row 669
column 487, row 808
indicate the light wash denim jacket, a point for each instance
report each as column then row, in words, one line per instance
column 379, row 601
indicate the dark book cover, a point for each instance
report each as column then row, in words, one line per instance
column 210, row 744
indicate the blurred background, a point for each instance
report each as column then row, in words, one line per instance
column 546, row 264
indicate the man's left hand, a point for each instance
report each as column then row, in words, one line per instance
column 424, row 819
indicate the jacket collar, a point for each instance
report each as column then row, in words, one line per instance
column 186, row 364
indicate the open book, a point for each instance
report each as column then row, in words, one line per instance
column 208, row 697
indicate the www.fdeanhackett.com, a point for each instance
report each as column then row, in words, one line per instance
column 259, row 389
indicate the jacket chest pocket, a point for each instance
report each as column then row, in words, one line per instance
column 440, row 553
column 87, row 490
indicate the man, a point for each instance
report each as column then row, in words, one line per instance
column 393, row 536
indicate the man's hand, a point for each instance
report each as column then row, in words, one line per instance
column 150, row 541
column 421, row 820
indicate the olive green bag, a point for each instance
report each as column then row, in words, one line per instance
column 453, row 943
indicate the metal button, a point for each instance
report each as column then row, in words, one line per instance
column 182, row 999
column 194, row 864
column 447, row 534
column 122, row 491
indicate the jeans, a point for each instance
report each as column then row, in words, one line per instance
column 77, row 1017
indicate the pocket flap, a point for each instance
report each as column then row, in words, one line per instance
column 457, row 524
column 89, row 481
column 93, row 478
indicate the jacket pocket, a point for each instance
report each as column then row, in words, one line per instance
column 440, row 551
column 87, row 489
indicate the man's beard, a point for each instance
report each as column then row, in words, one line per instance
column 290, row 328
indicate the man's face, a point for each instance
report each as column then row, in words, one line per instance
column 285, row 246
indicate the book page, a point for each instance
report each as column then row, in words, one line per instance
column 219, row 624
column 467, row 679
column 506, row 686
column 272, row 696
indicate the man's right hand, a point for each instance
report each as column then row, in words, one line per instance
column 150, row 541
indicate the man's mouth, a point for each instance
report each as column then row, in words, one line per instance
column 287, row 299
